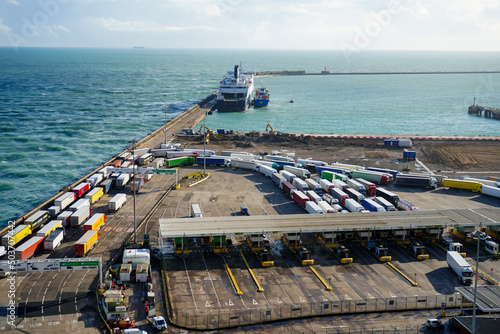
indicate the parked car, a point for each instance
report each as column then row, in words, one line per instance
column 434, row 323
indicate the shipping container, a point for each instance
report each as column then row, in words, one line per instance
column 371, row 188
column 300, row 184
column 180, row 161
column 372, row 176
column 37, row 219
column 347, row 166
column 356, row 186
column 485, row 182
column 95, row 194
column 86, row 243
column 107, row 185
column 300, row 172
column 214, row 160
column 53, row 240
column 117, row 163
column 196, row 211
column 315, row 163
column 64, row 217
column 463, row 184
column 142, row 273
column 267, row 171
column 95, row 179
column 340, row 195
column 353, row 206
column 54, row 211
column 16, row 236
column 65, row 200
column 80, row 216
column 340, row 170
column 354, row 194
column 392, row 172
column 314, row 186
column 29, row 248
column 105, row 171
column 288, row 176
column 278, row 179
column 327, row 208
column 278, row 158
column 79, row 204
column 300, row 198
column 340, row 184
column 49, row 228
column 137, row 183
column 313, row 196
column 288, row 188
column 81, row 189
column 313, row 208
column 388, row 195
column 372, row 206
column 95, row 222
column 326, row 185
column 122, row 180
column 236, row 163
column 491, row 191
column 385, row 203
column 158, row 162
column 145, row 159
column 117, row 202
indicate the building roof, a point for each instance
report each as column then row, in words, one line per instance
column 303, row 223
column 484, row 324
column 488, row 297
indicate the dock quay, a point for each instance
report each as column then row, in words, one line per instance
column 326, row 72
column 486, row 111
column 204, row 288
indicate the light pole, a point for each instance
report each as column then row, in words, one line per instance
column 134, row 185
column 165, row 129
column 204, row 144
column 475, row 282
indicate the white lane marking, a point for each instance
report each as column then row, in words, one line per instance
column 190, row 286
column 211, row 281
column 282, row 288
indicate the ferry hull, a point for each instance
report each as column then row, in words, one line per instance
column 232, row 106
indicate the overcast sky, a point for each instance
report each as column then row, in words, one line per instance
column 256, row 24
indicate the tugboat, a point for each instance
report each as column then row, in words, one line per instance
column 261, row 97
column 235, row 91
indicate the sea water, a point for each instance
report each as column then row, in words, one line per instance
column 65, row 111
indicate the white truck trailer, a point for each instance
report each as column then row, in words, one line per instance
column 458, row 264
column 288, row 176
column 313, row 208
column 53, row 240
column 314, row 186
column 65, row 200
column 300, row 172
column 353, row 206
column 117, row 202
column 122, row 180
column 300, row 184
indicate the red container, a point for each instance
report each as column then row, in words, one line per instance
column 81, row 189
column 29, row 248
column 300, row 198
column 288, row 188
column 117, row 163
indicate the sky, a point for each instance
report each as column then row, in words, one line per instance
column 263, row 24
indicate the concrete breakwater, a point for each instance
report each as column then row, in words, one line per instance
column 326, row 72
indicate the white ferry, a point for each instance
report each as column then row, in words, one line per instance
column 235, row 91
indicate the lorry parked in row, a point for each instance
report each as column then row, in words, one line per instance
column 37, row 219
column 95, row 194
column 356, row 195
column 250, row 165
column 300, row 184
column 300, row 172
column 347, row 166
column 86, row 243
column 16, row 236
column 326, row 185
column 300, row 198
column 314, row 186
column 107, row 185
column 80, row 216
column 29, row 248
column 353, row 206
column 64, row 217
column 371, row 188
column 288, row 176
column 490, row 191
column 65, row 200
column 95, row 222
column 288, row 188
column 462, row 184
column 372, row 206
column 313, row 208
column 54, row 240
column 81, row 189
column 372, row 176
column 309, row 162
column 277, row 158
column 356, row 186
column 313, row 196
column 267, row 171
column 330, row 176
column 485, row 182
column 49, row 228
column 122, row 180
column 117, row 202
column 392, row 172
column 214, row 160
column 94, row 180
column 388, row 195
column 278, row 179
column 340, row 184
column 424, row 181
column 385, row 203
column 340, row 195
column 79, row 204
column 458, row 264
column 327, row 208
column 340, row 170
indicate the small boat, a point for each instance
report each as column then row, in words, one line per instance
column 261, row 98
column 292, row 101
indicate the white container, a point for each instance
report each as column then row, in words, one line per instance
column 326, row 185
column 267, row 171
column 196, row 211
column 117, row 202
column 300, row 184
column 79, row 216
column 244, row 157
column 54, row 211
column 313, row 208
column 64, row 217
column 158, row 162
column 356, row 186
column 353, row 206
column 125, row 272
column 327, row 208
column 142, row 273
column 79, row 204
column 491, row 191
column 53, row 240
column 288, row 176
column 313, row 196
column 385, row 203
column 300, row 172
column 65, row 200
column 340, row 184
column 95, row 179
column 313, row 185
column 243, row 164
column 122, row 180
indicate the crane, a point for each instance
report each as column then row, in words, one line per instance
column 269, row 127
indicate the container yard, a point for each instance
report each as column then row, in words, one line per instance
column 293, row 257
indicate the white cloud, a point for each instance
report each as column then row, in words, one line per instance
column 62, row 28
column 12, row 2
column 4, row 28
column 138, row 26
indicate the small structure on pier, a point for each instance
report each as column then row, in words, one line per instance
column 488, row 112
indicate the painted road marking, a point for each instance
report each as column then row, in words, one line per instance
column 119, row 229
column 208, row 304
column 255, row 302
column 231, row 303
column 107, row 229
column 279, row 301
column 131, row 229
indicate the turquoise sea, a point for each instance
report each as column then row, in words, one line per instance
column 65, row 111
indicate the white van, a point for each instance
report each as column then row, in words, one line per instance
column 196, row 211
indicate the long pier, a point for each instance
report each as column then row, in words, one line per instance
column 488, row 112
column 326, row 72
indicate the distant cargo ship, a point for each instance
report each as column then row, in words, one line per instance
column 261, row 98
column 235, row 91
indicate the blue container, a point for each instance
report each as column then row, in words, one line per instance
column 412, row 155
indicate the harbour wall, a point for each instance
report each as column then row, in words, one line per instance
column 301, row 72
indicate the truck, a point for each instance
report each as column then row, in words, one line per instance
column 300, row 198
column 424, row 181
column 107, row 185
column 340, row 170
column 79, row 204
column 277, row 164
column 158, row 163
column 452, row 245
column 371, row 188
column 485, row 182
column 267, row 171
column 314, row 186
column 490, row 191
column 214, row 160
column 86, row 243
column 54, row 211
column 196, row 211
column 406, row 206
column 313, row 208
column 385, row 203
column 54, row 240
column 278, row 179
column 288, row 176
column 300, row 172
column 327, row 208
column 329, row 175
column 49, row 228
column 340, row 184
column 305, row 162
column 64, row 217
column 65, row 200
column 145, row 159
column 300, row 184
column 461, row 268
column 356, row 186
column 356, row 195
column 388, row 195
column 277, row 158
column 95, row 194
column 313, row 196
column 288, row 188
column 181, row 161
column 236, row 163
column 463, row 184
column 392, row 172
column 137, row 183
column 80, row 216
column 347, row 166
column 242, row 156
column 377, row 177
column 340, row 195
column 94, row 180
column 353, row 206
column 117, row 202
column 372, row 206
column 81, row 189
column 122, row 180
column 37, row 219
column 326, row 185
column 95, row 222
column 16, row 236
column 330, row 199
column 29, row 248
